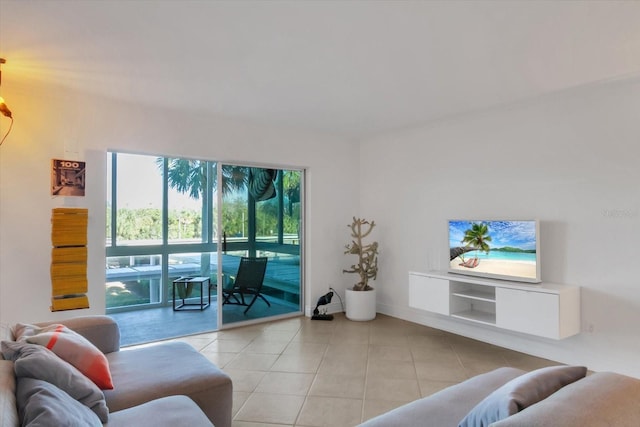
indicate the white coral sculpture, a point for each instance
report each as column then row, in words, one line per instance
column 367, row 265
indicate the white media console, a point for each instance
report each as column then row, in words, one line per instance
column 544, row 309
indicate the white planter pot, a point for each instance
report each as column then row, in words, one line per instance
column 361, row 305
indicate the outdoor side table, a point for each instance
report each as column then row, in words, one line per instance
column 184, row 282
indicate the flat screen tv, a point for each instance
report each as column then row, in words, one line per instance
column 508, row 250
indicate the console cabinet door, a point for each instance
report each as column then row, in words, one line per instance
column 535, row 313
column 427, row 293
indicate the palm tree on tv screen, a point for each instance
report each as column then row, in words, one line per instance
column 478, row 237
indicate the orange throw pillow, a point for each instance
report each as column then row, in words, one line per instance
column 71, row 347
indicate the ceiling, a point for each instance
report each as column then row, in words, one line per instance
column 353, row 68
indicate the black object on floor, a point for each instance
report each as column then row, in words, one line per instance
column 323, row 300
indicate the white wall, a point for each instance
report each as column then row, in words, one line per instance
column 51, row 122
column 570, row 160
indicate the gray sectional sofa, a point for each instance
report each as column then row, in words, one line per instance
column 166, row 384
column 600, row 399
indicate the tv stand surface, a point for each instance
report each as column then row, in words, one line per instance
column 543, row 309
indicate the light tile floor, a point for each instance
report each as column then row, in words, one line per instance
column 299, row 372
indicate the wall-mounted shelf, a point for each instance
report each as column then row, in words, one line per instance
column 544, row 309
column 69, row 283
column 478, row 295
column 476, row 316
column 472, row 302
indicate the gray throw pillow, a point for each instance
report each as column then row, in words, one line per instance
column 36, row 361
column 520, row 393
column 71, row 347
column 42, row 404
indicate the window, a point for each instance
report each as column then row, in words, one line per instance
column 162, row 223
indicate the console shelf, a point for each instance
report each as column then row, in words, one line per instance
column 544, row 309
column 476, row 295
column 476, row 316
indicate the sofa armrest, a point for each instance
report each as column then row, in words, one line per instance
column 446, row 407
column 101, row 331
column 600, row 399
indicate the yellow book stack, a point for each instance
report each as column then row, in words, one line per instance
column 69, row 227
column 69, row 283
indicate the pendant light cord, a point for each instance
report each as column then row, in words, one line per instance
column 8, row 132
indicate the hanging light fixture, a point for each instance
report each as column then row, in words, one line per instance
column 4, row 109
column 3, row 106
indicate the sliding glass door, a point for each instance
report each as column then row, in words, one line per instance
column 171, row 218
column 263, row 220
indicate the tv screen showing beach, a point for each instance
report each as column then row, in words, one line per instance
column 498, row 249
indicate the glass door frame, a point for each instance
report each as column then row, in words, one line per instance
column 165, row 249
column 301, row 243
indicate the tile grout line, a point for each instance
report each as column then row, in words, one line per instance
column 366, row 377
column 315, row 378
column 306, row 337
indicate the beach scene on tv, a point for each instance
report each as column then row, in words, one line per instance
column 503, row 248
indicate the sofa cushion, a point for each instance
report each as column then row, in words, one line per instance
column 8, row 412
column 600, row 399
column 101, row 330
column 167, row 411
column 446, row 407
column 521, row 393
column 70, row 346
column 170, row 368
column 41, row 404
column 35, row 361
